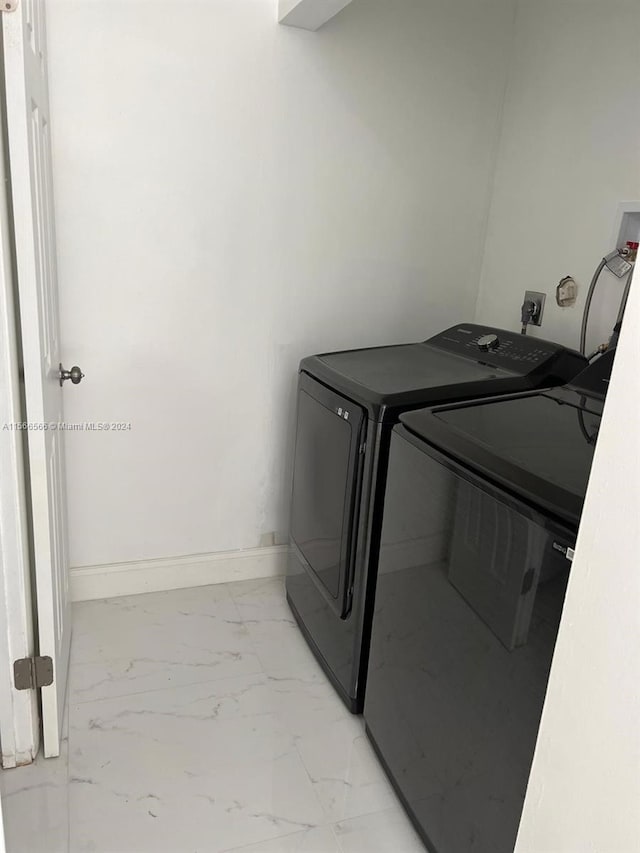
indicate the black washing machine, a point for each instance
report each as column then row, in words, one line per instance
column 482, row 507
column 347, row 404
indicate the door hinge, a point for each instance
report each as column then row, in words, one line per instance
column 30, row 673
column 362, row 448
column 8, row 5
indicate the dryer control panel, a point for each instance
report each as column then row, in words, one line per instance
column 503, row 348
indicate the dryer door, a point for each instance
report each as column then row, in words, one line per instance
column 326, row 488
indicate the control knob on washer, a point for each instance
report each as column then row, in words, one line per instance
column 488, row 342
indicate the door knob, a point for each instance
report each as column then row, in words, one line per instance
column 75, row 374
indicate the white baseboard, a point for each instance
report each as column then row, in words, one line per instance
column 108, row 581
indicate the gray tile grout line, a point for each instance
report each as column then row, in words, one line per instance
column 278, row 838
column 169, row 687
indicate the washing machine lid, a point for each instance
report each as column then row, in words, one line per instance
column 450, row 366
column 538, row 446
column 390, row 371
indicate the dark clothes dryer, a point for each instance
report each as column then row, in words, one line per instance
column 347, row 404
column 481, row 514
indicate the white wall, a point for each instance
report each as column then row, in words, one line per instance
column 584, row 789
column 232, row 195
column 569, row 155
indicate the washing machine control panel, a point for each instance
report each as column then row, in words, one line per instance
column 497, row 347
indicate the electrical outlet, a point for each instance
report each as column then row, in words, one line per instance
column 538, row 300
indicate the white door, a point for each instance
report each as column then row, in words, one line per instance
column 19, row 719
column 28, row 132
column 2, row 847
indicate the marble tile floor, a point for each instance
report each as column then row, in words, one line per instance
column 199, row 722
